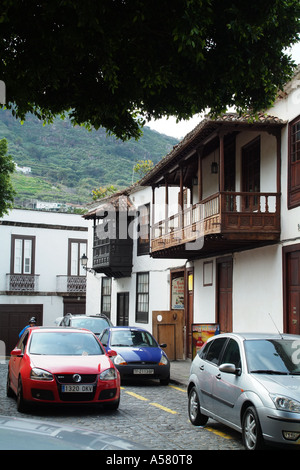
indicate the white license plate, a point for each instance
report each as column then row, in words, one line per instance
column 77, row 388
column 143, row 371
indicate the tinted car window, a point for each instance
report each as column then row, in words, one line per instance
column 104, row 337
column 96, row 325
column 215, row 350
column 203, row 351
column 232, row 353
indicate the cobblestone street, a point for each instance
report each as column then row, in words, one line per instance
column 149, row 414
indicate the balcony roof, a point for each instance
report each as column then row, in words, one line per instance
column 203, row 133
column 119, row 201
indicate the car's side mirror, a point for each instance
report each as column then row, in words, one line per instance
column 163, row 345
column 16, row 352
column 230, row 369
column 111, row 353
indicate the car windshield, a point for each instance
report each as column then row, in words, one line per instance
column 96, row 325
column 65, row 344
column 271, row 356
column 132, row 338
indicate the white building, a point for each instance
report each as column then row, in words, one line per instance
column 124, row 282
column 243, row 178
column 40, row 270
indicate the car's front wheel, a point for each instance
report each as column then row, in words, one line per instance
column 9, row 392
column 251, row 431
column 195, row 415
column 21, row 403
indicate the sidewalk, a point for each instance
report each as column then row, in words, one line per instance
column 180, row 371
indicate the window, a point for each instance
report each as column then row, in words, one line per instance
column 76, row 249
column 214, row 352
column 143, row 244
column 22, row 254
column 142, row 297
column 232, row 354
column 106, row 295
column 294, row 164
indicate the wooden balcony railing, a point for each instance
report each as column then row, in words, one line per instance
column 236, row 215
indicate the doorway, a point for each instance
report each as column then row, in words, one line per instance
column 123, row 308
column 251, row 173
column 224, row 294
column 291, row 273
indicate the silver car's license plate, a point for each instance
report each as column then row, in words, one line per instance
column 143, row 371
column 77, row 388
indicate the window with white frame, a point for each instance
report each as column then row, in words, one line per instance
column 142, row 297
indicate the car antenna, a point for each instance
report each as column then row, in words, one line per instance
column 280, row 334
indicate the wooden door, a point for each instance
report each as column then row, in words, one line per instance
column 251, row 173
column 168, row 327
column 224, row 294
column 189, row 311
column 13, row 318
column 74, row 306
column 166, row 333
column 122, row 308
column 293, row 292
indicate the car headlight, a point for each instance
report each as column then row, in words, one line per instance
column 286, row 403
column 119, row 360
column 40, row 374
column 108, row 374
column 163, row 360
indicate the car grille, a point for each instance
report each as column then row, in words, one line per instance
column 77, row 396
column 68, row 378
column 143, row 363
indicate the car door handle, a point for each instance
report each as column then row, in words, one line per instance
column 218, row 376
column 201, row 367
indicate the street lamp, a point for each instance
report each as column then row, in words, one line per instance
column 84, row 261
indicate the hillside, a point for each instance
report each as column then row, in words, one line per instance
column 68, row 162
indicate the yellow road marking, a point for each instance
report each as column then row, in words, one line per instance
column 218, row 433
column 164, row 408
column 137, row 396
column 178, row 388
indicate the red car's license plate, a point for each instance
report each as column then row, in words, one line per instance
column 77, row 388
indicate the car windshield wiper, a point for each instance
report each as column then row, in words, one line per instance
column 120, row 344
column 269, row 371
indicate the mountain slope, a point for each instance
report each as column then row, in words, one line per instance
column 68, row 162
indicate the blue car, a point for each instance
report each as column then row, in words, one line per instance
column 138, row 355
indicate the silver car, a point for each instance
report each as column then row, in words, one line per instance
column 250, row 382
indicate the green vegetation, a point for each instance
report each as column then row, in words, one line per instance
column 6, row 169
column 67, row 163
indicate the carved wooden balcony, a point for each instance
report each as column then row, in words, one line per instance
column 223, row 222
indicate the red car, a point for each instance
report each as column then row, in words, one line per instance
column 62, row 365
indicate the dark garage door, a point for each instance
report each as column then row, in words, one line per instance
column 13, row 318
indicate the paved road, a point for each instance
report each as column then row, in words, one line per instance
column 151, row 414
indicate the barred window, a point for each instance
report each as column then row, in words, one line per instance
column 142, row 297
column 106, row 296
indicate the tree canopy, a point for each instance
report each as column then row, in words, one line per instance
column 117, row 63
column 7, row 167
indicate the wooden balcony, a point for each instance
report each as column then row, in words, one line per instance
column 224, row 222
column 113, row 257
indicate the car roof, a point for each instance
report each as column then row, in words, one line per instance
column 136, row 328
column 258, row 336
column 58, row 329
